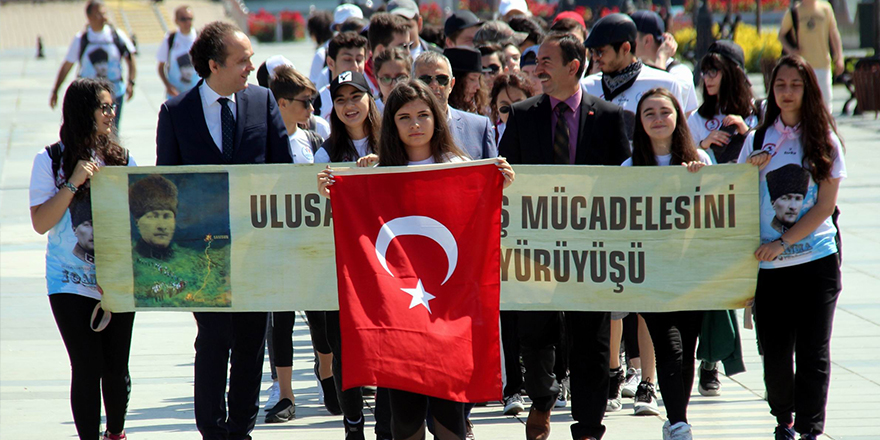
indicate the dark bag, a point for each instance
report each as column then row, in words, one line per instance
column 84, row 42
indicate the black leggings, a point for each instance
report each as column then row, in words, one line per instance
column 281, row 324
column 675, row 344
column 408, row 412
column 98, row 363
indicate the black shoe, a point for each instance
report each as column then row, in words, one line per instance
column 331, row 401
column 354, row 432
column 282, row 412
column 709, row 383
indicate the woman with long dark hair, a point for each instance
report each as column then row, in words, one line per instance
column 469, row 92
column 728, row 111
column 660, row 138
column 801, row 165
column 414, row 132
column 61, row 205
column 354, row 121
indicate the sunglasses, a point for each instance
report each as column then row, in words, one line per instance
column 387, row 80
column 310, row 102
column 443, row 80
column 108, row 109
column 504, row 109
column 493, row 69
column 710, row 73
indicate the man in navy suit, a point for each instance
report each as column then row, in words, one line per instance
column 223, row 121
column 565, row 126
column 472, row 133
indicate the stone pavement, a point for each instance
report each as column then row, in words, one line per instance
column 34, row 370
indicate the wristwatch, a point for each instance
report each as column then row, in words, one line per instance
column 73, row 188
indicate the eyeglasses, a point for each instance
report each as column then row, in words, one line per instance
column 184, row 19
column 310, row 102
column 443, row 80
column 108, row 109
column 408, row 46
column 393, row 80
column 710, row 73
column 504, row 109
column 493, row 69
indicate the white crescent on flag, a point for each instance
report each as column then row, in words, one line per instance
column 417, row 225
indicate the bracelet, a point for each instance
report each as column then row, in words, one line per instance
column 784, row 245
column 73, row 188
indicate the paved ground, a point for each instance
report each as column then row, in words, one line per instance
column 34, row 369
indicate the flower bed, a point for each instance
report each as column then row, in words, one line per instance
column 262, row 25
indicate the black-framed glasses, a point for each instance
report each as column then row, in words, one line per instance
column 504, row 109
column 108, row 109
column 493, row 69
column 443, row 80
column 310, row 102
column 710, row 73
column 387, row 80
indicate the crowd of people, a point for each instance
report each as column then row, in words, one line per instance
column 384, row 89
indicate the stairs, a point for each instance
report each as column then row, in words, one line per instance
column 138, row 18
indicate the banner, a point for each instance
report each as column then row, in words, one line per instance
column 417, row 257
column 259, row 237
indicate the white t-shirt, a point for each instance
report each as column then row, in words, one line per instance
column 648, row 79
column 322, row 127
column 322, row 156
column 70, row 262
column 685, row 77
column 795, row 192
column 101, row 58
column 326, row 102
column 178, row 67
column 665, row 159
column 700, row 128
column 447, row 158
column 300, row 147
column 317, row 68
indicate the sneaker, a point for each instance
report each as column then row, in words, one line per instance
column 614, row 386
column 514, row 405
column 282, row 412
column 783, row 432
column 274, row 396
column 331, row 401
column 562, row 397
column 709, row 383
column 470, row 430
column 633, row 378
column 678, row 431
column 646, row 400
column 108, row 436
column 354, row 432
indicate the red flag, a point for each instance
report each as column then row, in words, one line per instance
column 417, row 258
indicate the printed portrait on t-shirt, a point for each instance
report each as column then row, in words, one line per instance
column 187, row 71
column 100, row 62
column 81, row 223
column 180, row 257
column 787, row 186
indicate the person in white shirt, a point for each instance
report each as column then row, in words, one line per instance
column 295, row 95
column 347, row 51
column 317, row 73
column 623, row 79
column 650, row 49
column 175, row 66
column 111, row 46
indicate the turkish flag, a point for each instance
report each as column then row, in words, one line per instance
column 417, row 262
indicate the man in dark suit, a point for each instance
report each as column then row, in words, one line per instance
column 566, row 126
column 223, row 121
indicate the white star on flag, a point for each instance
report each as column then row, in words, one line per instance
column 419, row 296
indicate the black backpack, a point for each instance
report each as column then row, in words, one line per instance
column 756, row 145
column 123, row 49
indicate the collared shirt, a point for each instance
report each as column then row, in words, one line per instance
column 211, row 108
column 571, row 118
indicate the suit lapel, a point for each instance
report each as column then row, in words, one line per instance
column 585, row 125
column 545, row 132
column 241, row 104
column 194, row 104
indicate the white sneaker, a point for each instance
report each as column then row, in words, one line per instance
column 274, row 396
column 633, row 378
column 646, row 400
column 514, row 405
column 678, row 431
column 562, row 397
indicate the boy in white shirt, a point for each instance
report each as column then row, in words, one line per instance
column 295, row 95
column 175, row 67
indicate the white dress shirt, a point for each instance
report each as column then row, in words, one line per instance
column 211, row 108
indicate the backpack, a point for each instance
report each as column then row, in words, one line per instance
column 756, row 145
column 84, row 42
column 315, row 140
column 170, row 45
column 54, row 151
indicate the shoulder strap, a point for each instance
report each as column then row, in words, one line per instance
column 315, row 140
column 83, row 43
column 313, row 123
column 170, row 45
column 672, row 64
column 123, row 49
column 758, row 141
column 54, row 151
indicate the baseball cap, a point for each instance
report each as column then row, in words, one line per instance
column 529, row 56
column 507, row 6
column 350, row 78
column 464, row 59
column 461, row 19
column 571, row 15
column 610, row 29
column 730, row 50
column 344, row 12
column 649, row 22
column 403, row 8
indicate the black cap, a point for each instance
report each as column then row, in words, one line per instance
column 610, row 29
column 649, row 22
column 464, row 59
column 350, row 78
column 461, row 19
column 729, row 50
